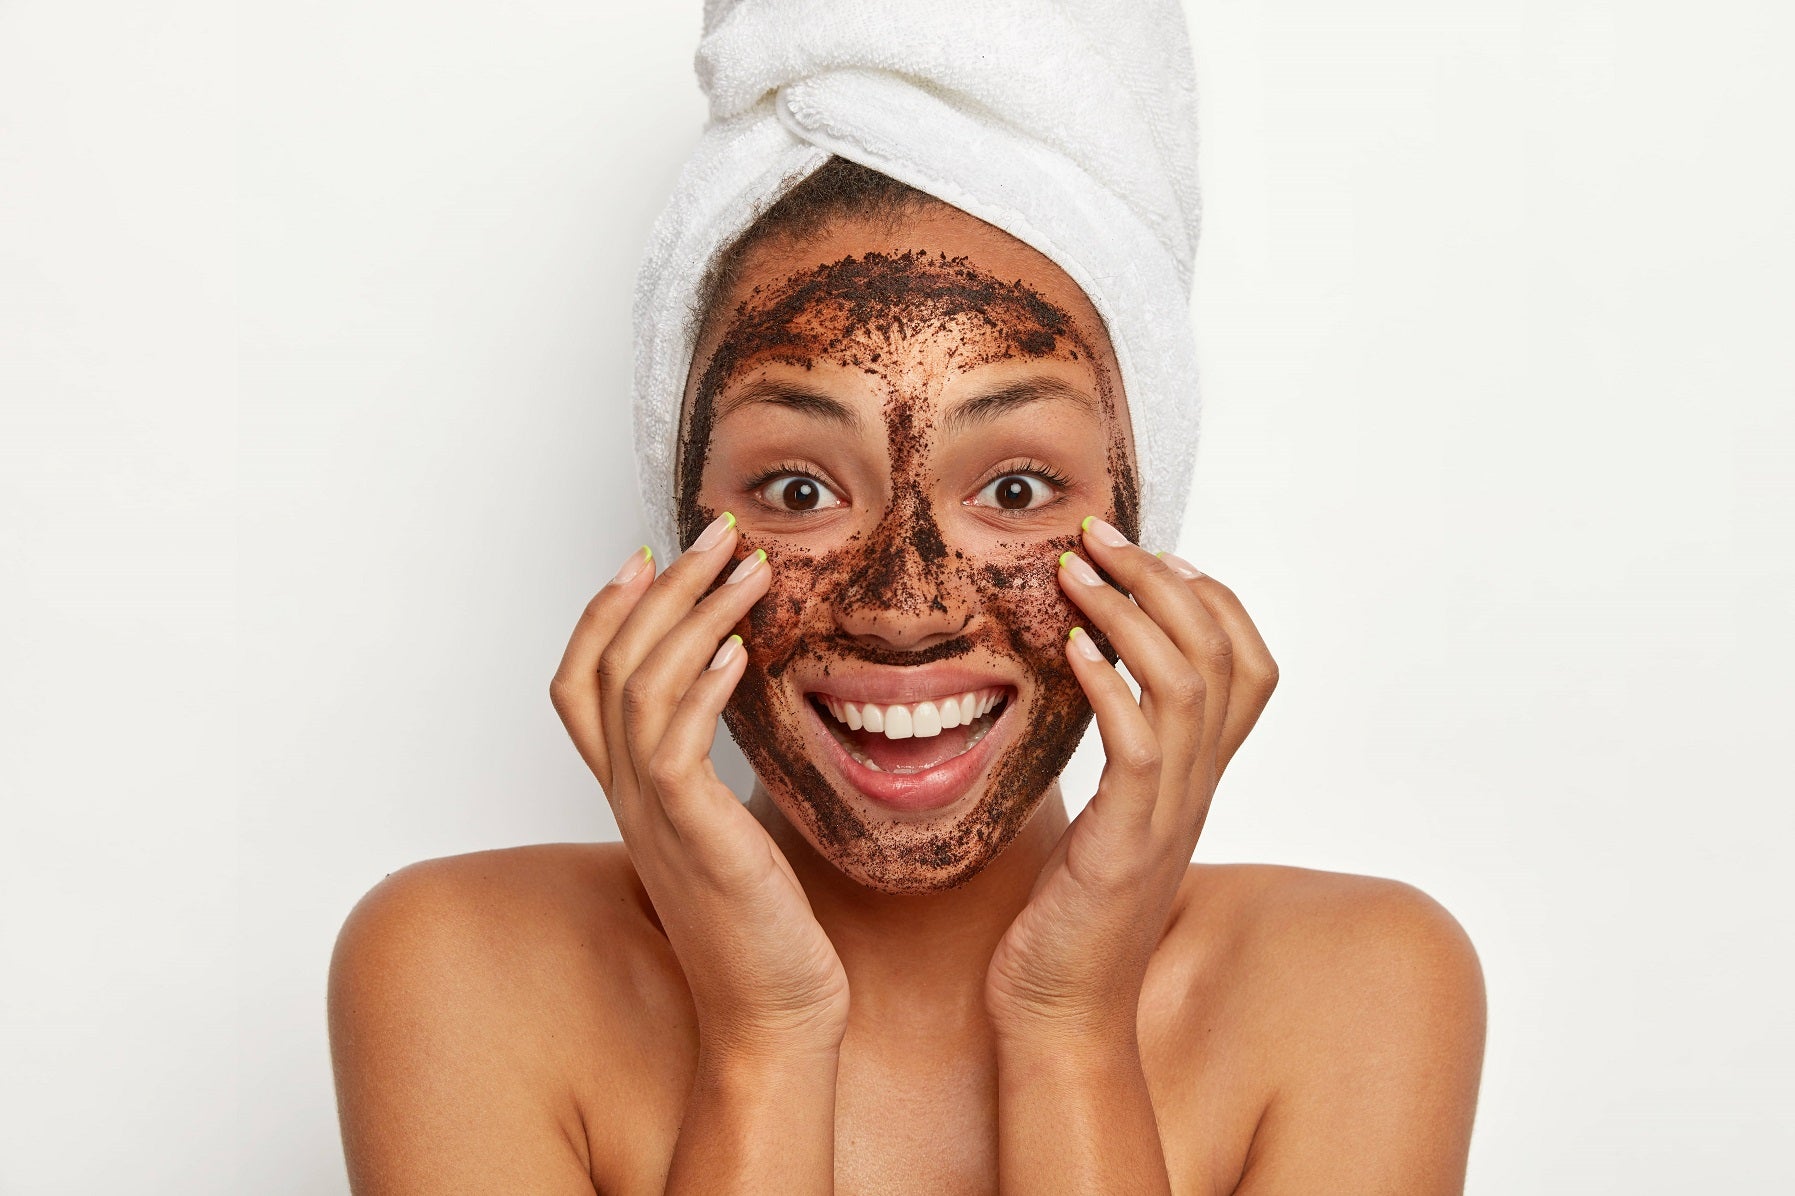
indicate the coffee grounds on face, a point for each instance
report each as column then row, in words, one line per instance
column 863, row 312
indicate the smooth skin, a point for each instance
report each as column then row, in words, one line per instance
column 712, row 1007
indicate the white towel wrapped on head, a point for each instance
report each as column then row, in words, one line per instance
column 1071, row 125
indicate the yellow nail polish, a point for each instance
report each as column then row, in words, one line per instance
column 748, row 565
column 713, row 535
column 1085, row 526
column 638, row 560
column 1075, row 633
column 1063, row 557
column 726, row 651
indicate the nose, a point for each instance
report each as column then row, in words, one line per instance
column 901, row 596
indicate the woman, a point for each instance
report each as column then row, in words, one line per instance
column 909, row 488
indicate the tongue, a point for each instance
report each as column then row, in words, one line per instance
column 910, row 754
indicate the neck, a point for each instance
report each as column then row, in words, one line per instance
column 919, row 957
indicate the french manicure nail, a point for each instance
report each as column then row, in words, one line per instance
column 713, row 535
column 1180, row 566
column 727, row 651
column 1084, row 645
column 749, row 564
column 638, row 560
column 1102, row 532
column 1074, row 564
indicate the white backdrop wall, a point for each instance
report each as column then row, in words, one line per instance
column 314, row 354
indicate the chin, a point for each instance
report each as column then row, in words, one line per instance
column 900, row 811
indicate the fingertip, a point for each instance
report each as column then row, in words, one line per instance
column 638, row 562
column 1081, row 644
column 727, row 652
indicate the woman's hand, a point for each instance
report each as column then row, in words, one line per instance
column 640, row 689
column 1073, row 963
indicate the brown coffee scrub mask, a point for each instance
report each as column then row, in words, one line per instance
column 914, row 441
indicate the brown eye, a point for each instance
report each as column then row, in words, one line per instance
column 1016, row 492
column 794, row 492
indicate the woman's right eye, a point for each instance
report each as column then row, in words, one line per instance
column 798, row 492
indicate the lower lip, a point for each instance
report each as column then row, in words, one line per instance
column 930, row 789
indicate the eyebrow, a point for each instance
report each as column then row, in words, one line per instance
column 793, row 397
column 982, row 409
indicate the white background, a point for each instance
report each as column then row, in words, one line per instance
column 314, row 356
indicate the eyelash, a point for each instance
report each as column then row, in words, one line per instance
column 787, row 469
column 1028, row 467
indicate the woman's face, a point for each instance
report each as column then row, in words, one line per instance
column 912, row 422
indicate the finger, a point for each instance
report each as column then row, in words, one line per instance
column 660, row 682
column 1255, row 672
column 574, row 688
column 1163, row 594
column 673, row 594
column 1173, row 691
column 1156, row 588
column 1132, row 755
column 680, row 774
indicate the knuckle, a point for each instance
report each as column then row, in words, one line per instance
column 1225, row 593
column 1218, row 648
column 613, row 669
column 1187, row 690
column 1141, row 756
column 666, row 773
column 639, row 696
column 1156, row 571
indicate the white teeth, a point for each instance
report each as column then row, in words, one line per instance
column 921, row 720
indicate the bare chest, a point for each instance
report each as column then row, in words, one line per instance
column 919, row 1117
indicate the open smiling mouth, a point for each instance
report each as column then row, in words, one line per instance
column 908, row 738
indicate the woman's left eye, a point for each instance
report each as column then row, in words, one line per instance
column 1016, row 492
column 796, row 492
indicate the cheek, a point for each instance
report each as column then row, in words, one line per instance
column 790, row 616
column 1022, row 597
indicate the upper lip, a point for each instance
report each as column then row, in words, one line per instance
column 903, row 686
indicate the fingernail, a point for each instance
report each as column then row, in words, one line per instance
column 727, row 652
column 713, row 535
column 749, row 564
column 638, row 560
column 1180, row 566
column 1074, row 564
column 1102, row 532
column 1084, row 645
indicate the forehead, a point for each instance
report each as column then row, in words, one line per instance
column 939, row 290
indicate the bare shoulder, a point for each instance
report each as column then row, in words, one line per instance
column 456, row 929
column 578, row 881
column 1361, row 1001
column 471, row 1000
column 1323, row 935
